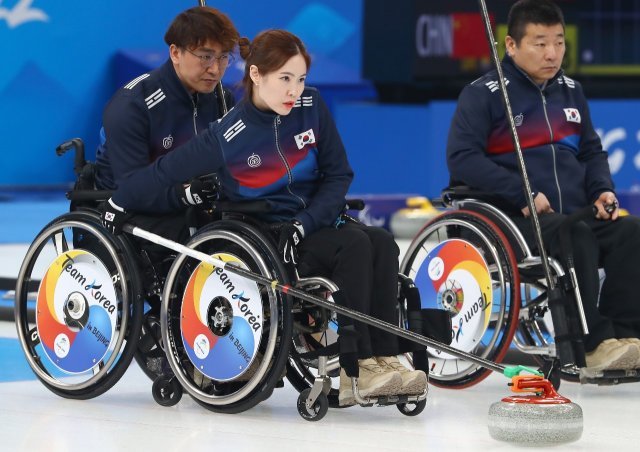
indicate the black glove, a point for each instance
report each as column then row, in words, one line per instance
column 113, row 217
column 200, row 192
column 289, row 238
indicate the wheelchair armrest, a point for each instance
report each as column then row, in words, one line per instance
column 461, row 192
column 244, row 207
column 89, row 195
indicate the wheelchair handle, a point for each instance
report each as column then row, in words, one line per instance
column 78, row 145
column 354, row 204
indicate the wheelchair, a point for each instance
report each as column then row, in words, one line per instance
column 473, row 262
column 231, row 341
column 84, row 304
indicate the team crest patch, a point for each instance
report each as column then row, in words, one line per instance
column 304, row 138
column 518, row 119
column 573, row 115
column 254, row 160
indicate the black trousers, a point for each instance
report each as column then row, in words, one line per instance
column 363, row 262
column 612, row 245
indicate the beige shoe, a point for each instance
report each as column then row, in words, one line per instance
column 613, row 354
column 633, row 341
column 373, row 381
column 414, row 382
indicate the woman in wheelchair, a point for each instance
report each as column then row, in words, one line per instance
column 281, row 145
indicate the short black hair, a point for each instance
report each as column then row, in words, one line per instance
column 197, row 25
column 525, row 12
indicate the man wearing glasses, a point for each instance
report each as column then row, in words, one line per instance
column 160, row 110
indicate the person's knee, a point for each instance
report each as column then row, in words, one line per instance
column 356, row 243
column 629, row 228
column 383, row 241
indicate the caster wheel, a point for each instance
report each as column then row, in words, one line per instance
column 319, row 409
column 166, row 390
column 412, row 408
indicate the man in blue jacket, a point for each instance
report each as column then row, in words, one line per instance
column 567, row 167
column 158, row 111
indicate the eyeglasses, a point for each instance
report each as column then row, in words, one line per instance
column 208, row 59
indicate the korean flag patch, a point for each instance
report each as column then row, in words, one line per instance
column 573, row 115
column 304, row 138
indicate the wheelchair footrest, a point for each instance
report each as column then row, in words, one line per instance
column 609, row 377
column 392, row 400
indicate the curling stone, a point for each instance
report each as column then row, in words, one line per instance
column 542, row 418
column 407, row 222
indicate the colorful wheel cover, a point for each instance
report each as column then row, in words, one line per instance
column 76, row 311
column 221, row 320
column 455, row 275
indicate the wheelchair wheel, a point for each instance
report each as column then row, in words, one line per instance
column 317, row 411
column 412, row 408
column 166, row 390
column 462, row 262
column 87, row 318
column 227, row 338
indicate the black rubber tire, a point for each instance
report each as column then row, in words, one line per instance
column 166, row 390
column 412, row 408
column 319, row 409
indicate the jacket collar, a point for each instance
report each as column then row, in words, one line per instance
column 256, row 114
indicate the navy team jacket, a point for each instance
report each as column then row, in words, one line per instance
column 562, row 152
column 150, row 116
column 296, row 162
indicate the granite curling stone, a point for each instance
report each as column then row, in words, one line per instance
column 540, row 419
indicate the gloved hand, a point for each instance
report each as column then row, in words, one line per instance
column 113, row 217
column 200, row 192
column 289, row 238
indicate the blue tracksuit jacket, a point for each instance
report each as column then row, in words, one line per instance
column 562, row 152
column 150, row 116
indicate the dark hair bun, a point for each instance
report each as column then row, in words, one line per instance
column 244, row 46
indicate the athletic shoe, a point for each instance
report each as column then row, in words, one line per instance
column 414, row 382
column 613, row 354
column 633, row 341
column 373, row 381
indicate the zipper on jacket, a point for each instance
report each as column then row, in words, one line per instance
column 276, row 122
column 195, row 112
column 553, row 149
